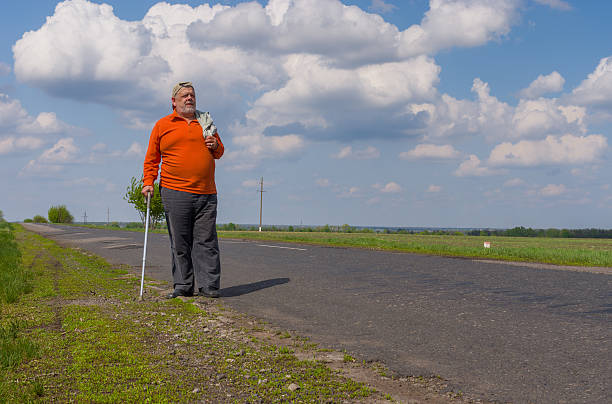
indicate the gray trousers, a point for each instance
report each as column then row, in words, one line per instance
column 192, row 220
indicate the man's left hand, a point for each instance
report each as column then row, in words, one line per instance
column 211, row 142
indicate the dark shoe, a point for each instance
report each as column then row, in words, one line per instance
column 212, row 293
column 178, row 293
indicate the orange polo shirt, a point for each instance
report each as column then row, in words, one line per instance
column 186, row 163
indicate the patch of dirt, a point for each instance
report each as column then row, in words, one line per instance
column 55, row 302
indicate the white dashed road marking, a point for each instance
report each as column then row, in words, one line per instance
column 277, row 246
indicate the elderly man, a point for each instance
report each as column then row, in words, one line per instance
column 187, row 144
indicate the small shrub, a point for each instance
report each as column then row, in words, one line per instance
column 135, row 197
column 40, row 219
column 59, row 214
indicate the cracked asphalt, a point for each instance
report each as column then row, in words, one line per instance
column 496, row 331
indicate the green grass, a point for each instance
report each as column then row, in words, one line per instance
column 13, row 276
column 560, row 251
column 14, row 347
column 80, row 335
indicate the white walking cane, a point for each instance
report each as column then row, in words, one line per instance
column 144, row 253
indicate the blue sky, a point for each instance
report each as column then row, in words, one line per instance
column 465, row 113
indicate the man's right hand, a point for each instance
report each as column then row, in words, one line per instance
column 148, row 189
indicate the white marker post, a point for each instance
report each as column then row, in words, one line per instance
column 144, row 252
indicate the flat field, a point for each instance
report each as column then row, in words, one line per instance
column 560, row 251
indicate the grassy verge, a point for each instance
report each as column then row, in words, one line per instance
column 80, row 335
column 558, row 251
column 13, row 278
column 14, row 282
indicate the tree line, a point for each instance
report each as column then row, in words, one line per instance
column 521, row 231
column 518, row 231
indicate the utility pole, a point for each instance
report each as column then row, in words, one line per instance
column 261, row 191
column 107, row 216
column 85, row 218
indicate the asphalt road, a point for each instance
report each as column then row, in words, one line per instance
column 500, row 332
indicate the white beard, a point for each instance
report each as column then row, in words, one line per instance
column 189, row 109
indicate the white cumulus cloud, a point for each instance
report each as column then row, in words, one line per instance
column 553, row 190
column 318, row 96
column 389, row 188
column 349, row 192
column 448, row 116
column 52, row 160
column 434, row 188
column 486, row 115
column 472, row 168
column 323, row 182
column 596, row 89
column 370, row 152
column 464, row 23
column 514, row 182
column 566, row 149
column 551, row 83
column 298, row 60
column 261, row 145
column 544, row 116
column 431, row 151
column 346, row 35
column 64, row 151
column 11, row 143
column 135, row 150
column 250, row 148
column 310, row 69
column 24, row 132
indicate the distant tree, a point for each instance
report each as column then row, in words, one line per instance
column 553, row 233
column 27, row 220
column 134, row 196
column 1, row 216
column 346, row 228
column 40, row 219
column 59, row 214
column 228, row 227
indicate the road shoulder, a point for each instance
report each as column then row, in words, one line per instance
column 82, row 306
